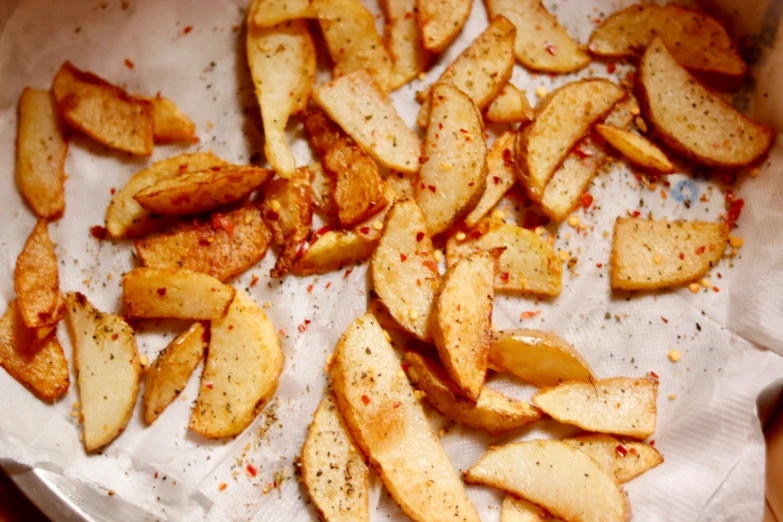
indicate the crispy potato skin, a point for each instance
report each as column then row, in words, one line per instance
column 37, row 280
column 441, row 21
column 635, row 459
column 171, row 124
column 321, row 131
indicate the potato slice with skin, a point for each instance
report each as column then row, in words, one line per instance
column 555, row 476
column 202, row 191
column 404, row 271
column 560, row 123
column 510, row 106
column 691, row 119
column 501, row 176
column 153, row 293
column 621, row 405
column 648, row 254
column 37, row 280
column 41, row 146
column 109, row 370
column 636, row 149
column 244, row 363
column 126, row 218
column 520, row 510
column 493, row 412
column 441, row 21
column 625, row 460
column 103, row 111
column 334, row 250
column 171, row 124
column 361, row 109
column 266, row 13
column 38, row 364
column 333, row 468
column 542, row 44
column 480, row 71
column 389, row 425
column 282, row 65
column 453, row 175
column 403, row 41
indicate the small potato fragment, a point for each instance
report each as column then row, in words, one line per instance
column 266, row 13
column 389, row 425
column 333, row 468
column 692, row 120
column 520, row 510
column 621, row 405
column 358, row 105
column 321, row 131
column 501, row 176
column 169, row 374
column 454, row 173
column 103, row 111
column 41, row 146
column 648, row 254
column 636, row 149
column 403, row 41
column 441, row 21
column 333, row 250
column 37, row 280
column 322, row 188
column 510, row 106
column 171, row 124
column 493, row 412
column 557, row 477
column 153, row 293
column 244, row 363
column 201, row 191
column 624, row 460
column 108, row 368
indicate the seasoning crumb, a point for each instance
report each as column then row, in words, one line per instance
column 377, row 225
column 541, row 91
column 438, row 254
column 563, row 255
column 573, row 221
column 672, row 396
column 706, row 283
column 461, row 236
column 540, row 230
column 694, row 287
column 413, row 314
column 674, row 355
column 736, row 242
column 497, row 214
column 657, row 259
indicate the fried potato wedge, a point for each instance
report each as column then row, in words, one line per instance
column 108, row 369
column 480, row 71
column 321, row 131
column 520, row 510
column 540, row 358
column 542, row 44
column 321, row 185
column 501, row 176
column 557, row 477
column 692, row 120
column 636, row 149
column 282, row 65
column 624, row 460
column 389, row 425
column 41, row 146
column 171, row 124
column 244, row 363
column 153, row 293
column 333, row 250
column 226, row 245
column 404, row 271
column 509, row 106
column 333, row 469
column 403, row 41
column 493, row 412
column 648, row 254
column 38, row 364
column 454, row 173
column 698, row 41
column 37, row 280
column 528, row 265
column 103, row 111
column 560, row 123
column 201, row 191
column 359, row 106
column 169, row 374
column 266, row 13
column 126, row 218
column 621, row 405
column 441, row 21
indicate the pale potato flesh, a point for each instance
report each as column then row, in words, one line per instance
column 333, row 468
column 557, row 477
column 540, row 358
column 37, row 280
column 510, row 106
column 322, row 190
column 441, row 21
column 621, row 405
column 41, row 146
column 501, row 176
column 244, row 363
column 624, row 460
column 108, row 367
column 691, row 119
column 171, row 124
column 649, row 254
column 333, row 250
column 266, row 13
column 636, row 149
column 520, row 510
column 403, row 41
column 453, row 175
column 389, row 425
column 152, row 293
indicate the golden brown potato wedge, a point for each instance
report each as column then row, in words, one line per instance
column 171, row 124
column 621, row 405
column 542, row 44
column 501, row 176
column 38, row 364
column 520, row 510
column 108, row 368
column 103, row 111
column 649, row 254
column 37, row 280
column 441, row 21
column 126, row 218
column 509, row 106
column 41, row 146
column 389, row 425
column 493, row 412
column 335, row 249
column 321, row 131
column 359, row 106
column 624, row 460
column 403, row 41
column 266, row 13
column 244, row 363
column 691, row 119
column 560, row 123
column 333, row 468
column 698, row 41
column 557, row 477
column 636, row 149
column 169, row 374
column 152, row 293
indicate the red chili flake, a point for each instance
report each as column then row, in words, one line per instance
column 129, row 64
column 397, row 404
column 209, row 385
column 682, row 256
column 464, row 131
column 664, row 319
column 156, row 474
column 471, row 183
column 715, row 289
column 432, row 188
column 701, row 249
column 302, row 328
column 364, row 230
column 98, row 232
column 431, row 264
column 405, row 367
column 529, row 315
column 304, row 246
column 408, row 16
column 328, row 284
column 599, row 265
column 419, row 236
column 440, row 125
column 654, row 375
column 231, row 327
column 636, row 213
column 586, row 199
column 583, row 153
column 620, row 449
column 551, row 49
column 630, row 76
column 220, row 222
column 254, row 281
column 222, row 486
column 365, row 399
column 113, row 191
column 652, row 442
column 633, row 451
column 504, row 276
column 508, row 157
column 310, row 289
column 251, row 470
column 734, row 211
column 611, row 67
column 161, row 292
column 321, row 231
column 403, row 257
column 475, row 234
column 115, row 337
column 496, row 179
column 188, row 29
column 347, row 273
column 271, row 215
